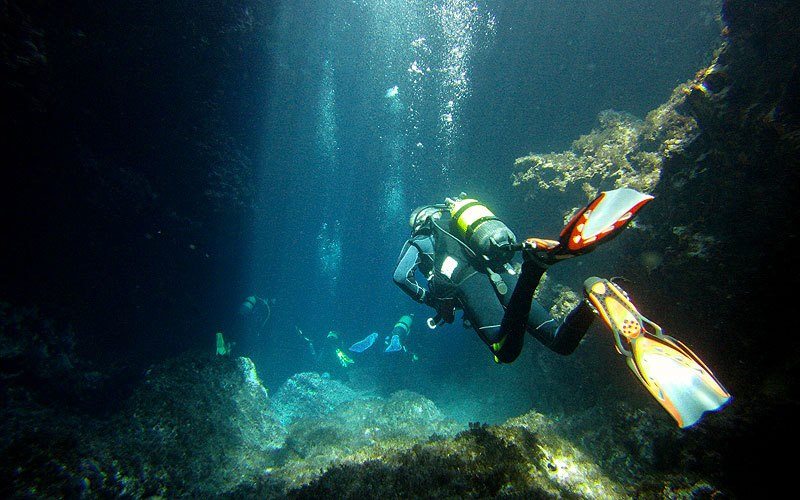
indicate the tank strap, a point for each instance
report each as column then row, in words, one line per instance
column 463, row 209
column 472, row 227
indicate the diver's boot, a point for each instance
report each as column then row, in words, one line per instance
column 618, row 313
column 541, row 252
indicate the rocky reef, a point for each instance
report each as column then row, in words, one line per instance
column 721, row 158
column 623, row 152
column 204, row 426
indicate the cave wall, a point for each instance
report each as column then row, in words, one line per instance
column 129, row 170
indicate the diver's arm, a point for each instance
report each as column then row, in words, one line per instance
column 404, row 273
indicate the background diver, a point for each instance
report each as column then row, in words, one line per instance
column 256, row 311
column 397, row 341
column 465, row 253
column 328, row 355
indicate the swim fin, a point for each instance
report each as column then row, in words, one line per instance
column 366, row 343
column 394, row 344
column 670, row 371
column 601, row 220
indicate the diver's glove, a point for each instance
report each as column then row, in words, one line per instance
column 541, row 253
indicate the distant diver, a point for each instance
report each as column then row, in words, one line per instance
column 465, row 253
column 398, row 339
column 259, row 310
column 335, row 346
column 329, row 357
column 394, row 343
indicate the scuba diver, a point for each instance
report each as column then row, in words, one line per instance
column 480, row 280
column 396, row 342
column 256, row 311
column 465, row 252
column 330, row 357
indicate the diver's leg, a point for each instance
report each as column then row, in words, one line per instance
column 519, row 306
column 572, row 330
column 482, row 308
column 540, row 324
column 563, row 339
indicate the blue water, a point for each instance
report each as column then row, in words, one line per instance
column 375, row 107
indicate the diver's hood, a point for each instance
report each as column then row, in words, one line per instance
column 421, row 214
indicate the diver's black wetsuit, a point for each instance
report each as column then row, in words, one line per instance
column 500, row 320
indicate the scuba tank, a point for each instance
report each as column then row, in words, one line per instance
column 403, row 325
column 484, row 234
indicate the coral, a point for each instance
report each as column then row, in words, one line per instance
column 561, row 299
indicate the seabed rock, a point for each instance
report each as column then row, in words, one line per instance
column 204, row 426
column 310, row 394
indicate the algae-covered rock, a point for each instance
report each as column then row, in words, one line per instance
column 361, row 427
column 197, row 425
column 624, row 151
column 203, row 426
column 561, row 463
column 562, row 298
column 521, row 457
column 309, row 395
